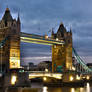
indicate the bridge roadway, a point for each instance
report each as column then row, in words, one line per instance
column 45, row 40
column 70, row 77
column 37, row 74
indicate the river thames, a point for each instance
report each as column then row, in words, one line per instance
column 38, row 87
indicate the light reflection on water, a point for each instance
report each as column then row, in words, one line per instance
column 86, row 88
column 45, row 89
column 72, row 90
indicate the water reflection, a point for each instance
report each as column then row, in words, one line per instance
column 45, row 89
column 41, row 88
column 88, row 87
column 72, row 90
column 82, row 90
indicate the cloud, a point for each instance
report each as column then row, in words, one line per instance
column 35, row 59
column 39, row 16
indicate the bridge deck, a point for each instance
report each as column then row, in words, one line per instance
column 31, row 38
column 44, row 74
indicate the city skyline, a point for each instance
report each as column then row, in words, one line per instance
column 45, row 15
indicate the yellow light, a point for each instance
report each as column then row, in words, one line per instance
column 77, row 77
column 56, row 39
column 13, row 79
column 35, row 42
column 72, row 90
column 44, row 78
column 83, row 77
column 88, row 78
column 57, row 76
column 45, row 89
column 73, row 68
column 39, row 40
column 46, row 36
column 71, row 78
column 88, row 87
column 46, row 70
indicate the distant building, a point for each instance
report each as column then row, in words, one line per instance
column 31, row 64
column 33, row 67
column 45, row 65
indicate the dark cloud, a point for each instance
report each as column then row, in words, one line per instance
column 39, row 16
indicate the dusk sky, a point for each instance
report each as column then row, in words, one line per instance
column 40, row 16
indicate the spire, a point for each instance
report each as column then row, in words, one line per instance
column 52, row 32
column 70, row 30
column 61, row 24
column 60, row 29
column 7, row 9
column 7, row 16
column 18, row 19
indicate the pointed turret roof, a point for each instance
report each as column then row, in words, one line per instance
column 18, row 19
column 52, row 32
column 70, row 30
column 7, row 16
column 61, row 30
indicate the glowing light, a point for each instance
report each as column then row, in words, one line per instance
column 40, row 40
column 71, row 78
column 73, row 68
column 72, row 90
column 13, row 79
column 83, row 77
column 56, row 39
column 77, row 77
column 34, row 75
column 14, row 63
column 88, row 87
column 82, row 90
column 57, row 76
column 44, row 78
column 45, row 89
column 46, row 36
column 46, row 70
column 35, row 42
column 88, row 78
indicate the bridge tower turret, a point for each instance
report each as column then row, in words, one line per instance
column 11, row 50
column 62, row 54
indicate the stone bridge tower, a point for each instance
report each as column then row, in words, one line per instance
column 10, row 52
column 62, row 54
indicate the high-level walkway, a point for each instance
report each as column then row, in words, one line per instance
column 45, row 40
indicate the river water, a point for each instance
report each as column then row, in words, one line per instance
column 86, row 88
column 38, row 87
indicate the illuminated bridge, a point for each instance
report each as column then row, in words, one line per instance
column 37, row 74
column 62, row 48
column 31, row 38
column 45, row 40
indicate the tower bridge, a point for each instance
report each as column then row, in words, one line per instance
column 61, row 42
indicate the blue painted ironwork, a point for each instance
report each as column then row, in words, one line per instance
column 81, row 62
